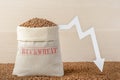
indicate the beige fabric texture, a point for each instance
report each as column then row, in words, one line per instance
column 45, row 63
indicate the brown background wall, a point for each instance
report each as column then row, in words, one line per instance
column 103, row 15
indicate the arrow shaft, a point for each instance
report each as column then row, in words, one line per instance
column 82, row 34
column 95, row 44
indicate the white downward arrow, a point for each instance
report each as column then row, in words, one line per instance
column 99, row 61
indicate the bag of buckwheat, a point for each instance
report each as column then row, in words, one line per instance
column 38, row 49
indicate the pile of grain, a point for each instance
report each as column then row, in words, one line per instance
column 38, row 22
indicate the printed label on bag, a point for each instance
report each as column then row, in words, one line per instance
column 37, row 50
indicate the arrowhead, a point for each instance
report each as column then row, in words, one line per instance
column 99, row 63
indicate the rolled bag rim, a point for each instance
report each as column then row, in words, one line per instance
column 37, row 34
